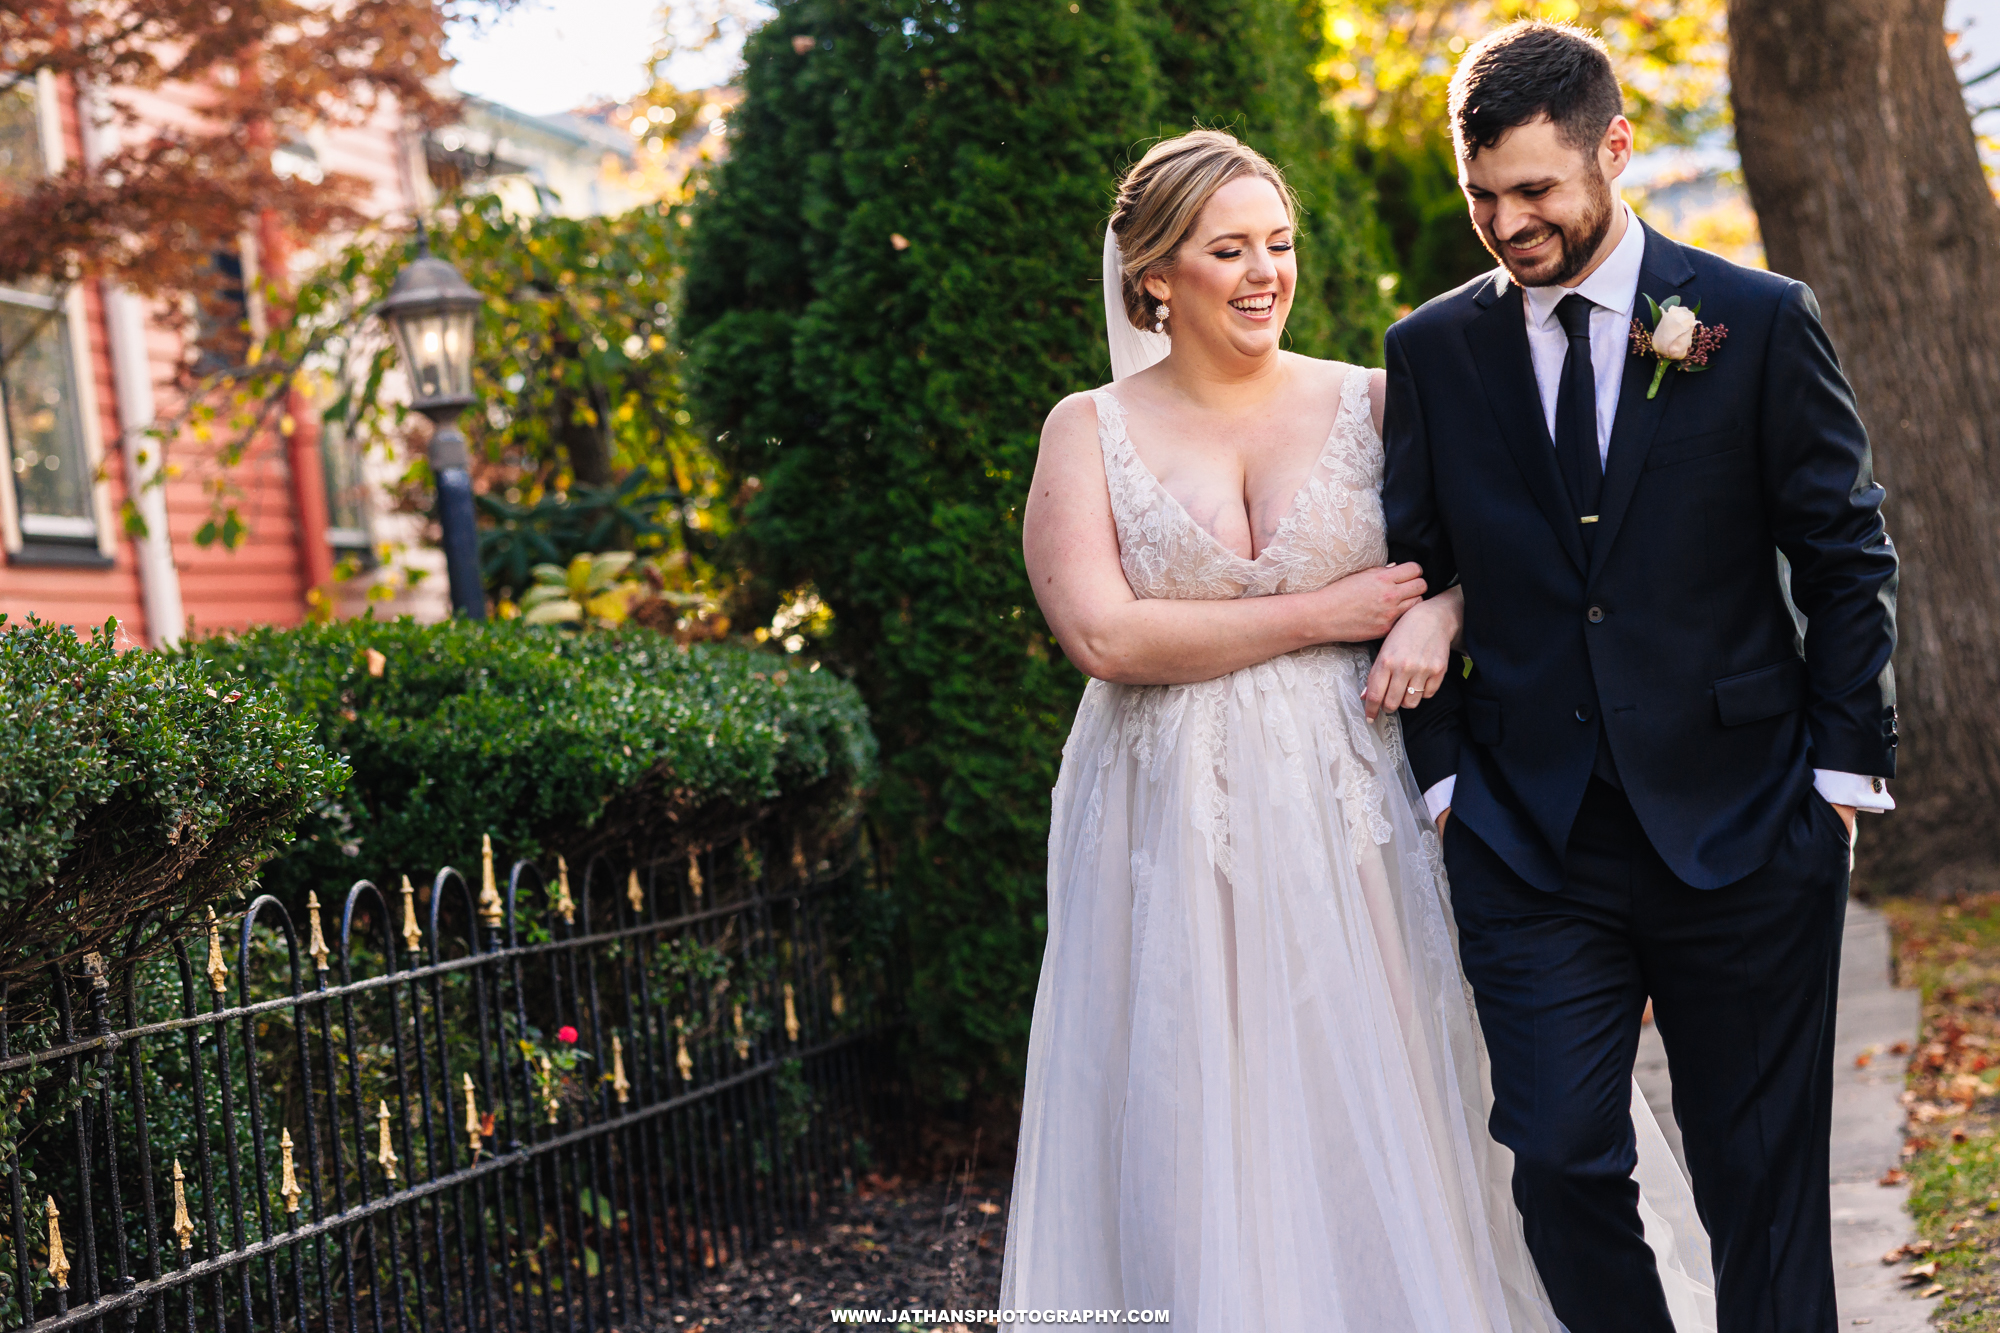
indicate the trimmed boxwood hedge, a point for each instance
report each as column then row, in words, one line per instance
column 132, row 782
column 549, row 741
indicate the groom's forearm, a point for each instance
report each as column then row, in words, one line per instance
column 1826, row 516
column 1432, row 735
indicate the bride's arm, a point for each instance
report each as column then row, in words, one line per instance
column 1071, row 545
column 1414, row 658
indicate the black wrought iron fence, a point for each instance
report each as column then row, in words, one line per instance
column 510, row 1108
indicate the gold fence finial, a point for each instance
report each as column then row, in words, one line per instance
column 839, row 1002
column 490, row 909
column 619, row 1083
column 288, row 1180
column 58, row 1261
column 682, row 1060
column 694, row 875
column 385, row 1151
column 742, row 1041
column 218, row 971
column 799, row 867
column 472, row 1137
column 791, row 1015
column 413, row 935
column 183, row 1224
column 315, row 937
column 549, row 1089
column 633, row 893
column 565, row 905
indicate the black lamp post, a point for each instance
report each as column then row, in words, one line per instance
column 431, row 309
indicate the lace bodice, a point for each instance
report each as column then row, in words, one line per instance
column 1334, row 526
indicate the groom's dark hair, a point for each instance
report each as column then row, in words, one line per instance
column 1531, row 69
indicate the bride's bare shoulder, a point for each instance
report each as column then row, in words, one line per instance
column 1074, row 415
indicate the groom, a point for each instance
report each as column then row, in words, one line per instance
column 1647, row 783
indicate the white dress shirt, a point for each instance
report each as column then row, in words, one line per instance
column 1613, row 290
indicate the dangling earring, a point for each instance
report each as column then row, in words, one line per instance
column 1160, row 313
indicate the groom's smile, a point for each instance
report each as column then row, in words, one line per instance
column 1525, row 245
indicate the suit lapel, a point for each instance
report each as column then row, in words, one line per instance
column 1665, row 273
column 1499, row 342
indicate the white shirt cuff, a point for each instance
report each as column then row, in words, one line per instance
column 1438, row 799
column 1855, row 789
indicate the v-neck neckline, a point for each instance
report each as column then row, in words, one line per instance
column 1283, row 529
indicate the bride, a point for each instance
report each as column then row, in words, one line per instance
column 1256, row 1094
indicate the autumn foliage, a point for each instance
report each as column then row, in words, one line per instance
column 151, row 207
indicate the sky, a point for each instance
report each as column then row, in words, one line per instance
column 552, row 55
column 1979, row 23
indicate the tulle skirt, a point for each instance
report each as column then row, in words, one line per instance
column 1256, row 1095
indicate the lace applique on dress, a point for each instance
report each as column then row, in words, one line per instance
column 1333, row 527
column 1163, row 551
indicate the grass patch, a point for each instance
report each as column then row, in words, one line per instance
column 1951, row 952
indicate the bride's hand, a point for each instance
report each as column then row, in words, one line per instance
column 1362, row 607
column 1415, row 655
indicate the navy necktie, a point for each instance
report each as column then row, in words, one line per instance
column 1576, row 415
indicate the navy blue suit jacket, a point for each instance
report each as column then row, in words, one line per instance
column 1670, row 629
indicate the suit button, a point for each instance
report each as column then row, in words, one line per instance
column 1583, row 715
column 1596, row 614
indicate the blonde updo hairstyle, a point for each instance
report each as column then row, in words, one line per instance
column 1161, row 198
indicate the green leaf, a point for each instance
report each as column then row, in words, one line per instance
column 558, row 610
column 1654, row 306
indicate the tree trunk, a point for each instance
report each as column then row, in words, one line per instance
column 1861, row 164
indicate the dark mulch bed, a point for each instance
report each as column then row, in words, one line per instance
column 891, row 1245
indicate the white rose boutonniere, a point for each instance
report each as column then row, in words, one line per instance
column 1678, row 338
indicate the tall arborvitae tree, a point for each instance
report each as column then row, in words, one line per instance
column 893, row 278
column 1248, row 68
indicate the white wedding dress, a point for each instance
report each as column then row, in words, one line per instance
column 1256, row 1093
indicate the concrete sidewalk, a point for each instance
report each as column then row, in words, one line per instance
column 1868, row 1219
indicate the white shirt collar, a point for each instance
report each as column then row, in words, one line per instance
column 1614, row 284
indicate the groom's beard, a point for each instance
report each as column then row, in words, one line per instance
column 1579, row 239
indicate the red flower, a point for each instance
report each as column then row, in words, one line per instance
column 566, row 1035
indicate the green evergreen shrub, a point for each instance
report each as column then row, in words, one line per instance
column 549, row 741
column 891, row 280
column 1248, row 68
column 133, row 783
column 1423, row 214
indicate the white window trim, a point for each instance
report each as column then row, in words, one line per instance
column 83, row 379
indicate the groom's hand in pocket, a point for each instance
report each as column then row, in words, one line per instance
column 1846, row 813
